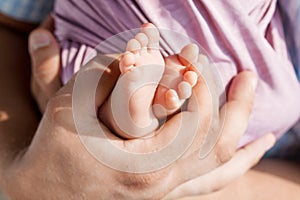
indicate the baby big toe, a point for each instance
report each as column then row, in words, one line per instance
column 191, row 77
column 152, row 34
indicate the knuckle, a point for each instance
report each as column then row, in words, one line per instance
column 140, row 182
column 217, row 187
column 38, row 72
column 224, row 152
column 213, row 186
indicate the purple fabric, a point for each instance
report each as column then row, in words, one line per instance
column 237, row 35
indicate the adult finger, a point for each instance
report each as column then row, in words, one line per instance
column 219, row 147
column 45, row 63
column 235, row 114
column 244, row 159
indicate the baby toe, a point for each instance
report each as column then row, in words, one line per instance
column 152, row 34
column 184, row 90
column 189, row 54
column 133, row 45
column 142, row 39
column 172, row 100
column 190, row 77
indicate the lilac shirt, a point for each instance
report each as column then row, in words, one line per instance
column 237, row 35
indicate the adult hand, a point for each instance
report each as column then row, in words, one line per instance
column 240, row 96
column 61, row 142
column 242, row 159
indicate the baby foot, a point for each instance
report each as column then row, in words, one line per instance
column 177, row 82
column 141, row 68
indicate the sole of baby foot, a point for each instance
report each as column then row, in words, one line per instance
column 142, row 67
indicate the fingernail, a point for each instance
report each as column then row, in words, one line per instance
column 39, row 40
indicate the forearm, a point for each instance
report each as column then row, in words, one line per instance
column 18, row 118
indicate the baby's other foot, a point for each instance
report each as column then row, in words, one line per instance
column 177, row 82
column 142, row 50
column 141, row 68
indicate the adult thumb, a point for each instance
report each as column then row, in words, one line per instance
column 45, row 65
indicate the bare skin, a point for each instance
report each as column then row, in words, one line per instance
column 148, row 82
column 13, row 137
column 235, row 168
column 280, row 181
